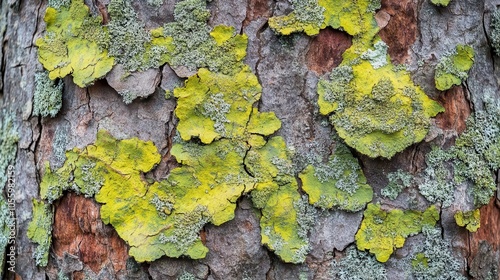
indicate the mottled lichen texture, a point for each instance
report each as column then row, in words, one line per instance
column 495, row 31
column 373, row 105
column 435, row 260
column 357, row 265
column 471, row 220
column 381, row 231
column 453, row 68
column 40, row 231
column 47, row 98
column 8, row 149
column 74, row 43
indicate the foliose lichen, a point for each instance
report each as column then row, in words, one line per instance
column 475, row 154
column 381, row 232
column 471, row 220
column 47, row 99
column 339, row 183
column 357, row 265
column 436, row 260
column 133, row 46
column 307, row 17
column 40, row 231
column 197, row 46
column 398, row 181
column 453, row 68
column 74, row 43
column 374, row 106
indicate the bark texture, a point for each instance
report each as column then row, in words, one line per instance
column 288, row 68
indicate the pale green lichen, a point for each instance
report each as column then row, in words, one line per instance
column 57, row 4
column 472, row 158
column 47, row 99
column 357, row 265
column 377, row 56
column 307, row 17
column 40, row 231
column 381, row 232
column 73, row 44
column 453, row 68
column 471, row 220
column 186, row 276
column 436, row 260
column 8, row 144
column 398, row 181
column 133, row 46
column 196, row 46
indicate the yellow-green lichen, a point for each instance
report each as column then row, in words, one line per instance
column 381, row 232
column 453, row 69
column 74, row 44
column 373, row 105
column 339, row 184
column 471, row 220
column 40, row 231
column 377, row 111
column 442, row 3
column 212, row 105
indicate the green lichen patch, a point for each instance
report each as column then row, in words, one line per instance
column 133, row 46
column 220, row 50
column 398, row 181
column 471, row 220
column 436, row 260
column 74, row 43
column 339, row 183
column 212, row 105
column 307, row 17
column 40, row 231
column 379, row 112
column 286, row 218
column 8, row 145
column 47, row 99
column 475, row 154
column 442, row 3
column 381, row 232
column 357, row 265
column 453, row 69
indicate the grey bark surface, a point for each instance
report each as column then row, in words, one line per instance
column 289, row 90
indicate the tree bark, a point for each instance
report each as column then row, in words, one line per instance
column 288, row 68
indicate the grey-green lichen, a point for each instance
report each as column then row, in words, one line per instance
column 131, row 42
column 307, row 17
column 59, row 3
column 186, row 276
column 47, row 99
column 377, row 56
column 357, row 265
column 398, row 181
column 196, row 45
column 436, row 260
column 475, row 154
column 495, row 31
column 40, row 231
column 8, row 144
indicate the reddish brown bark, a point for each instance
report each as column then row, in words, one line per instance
column 326, row 50
column 456, row 112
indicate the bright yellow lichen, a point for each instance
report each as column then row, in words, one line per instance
column 471, row 220
column 74, row 44
column 382, row 232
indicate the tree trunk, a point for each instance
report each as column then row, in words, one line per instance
column 288, row 67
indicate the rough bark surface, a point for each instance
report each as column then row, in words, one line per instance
column 288, row 68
